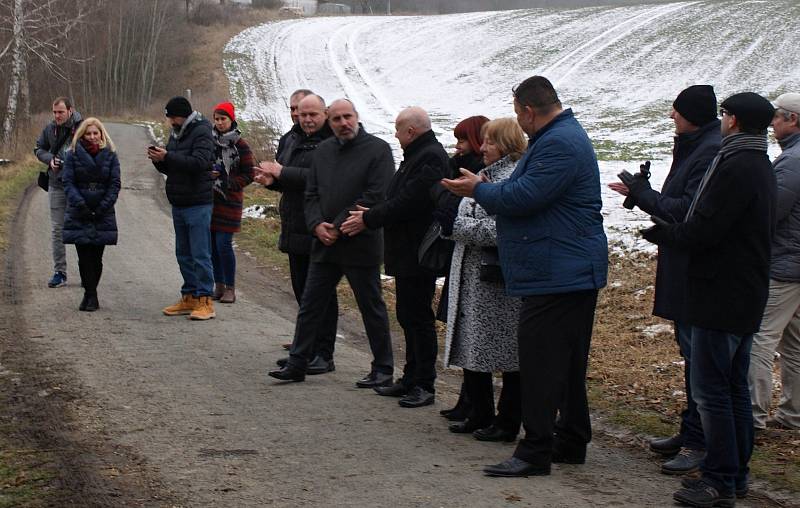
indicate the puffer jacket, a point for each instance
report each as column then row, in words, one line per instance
column 54, row 142
column 190, row 155
column 785, row 265
column 549, row 227
column 94, row 182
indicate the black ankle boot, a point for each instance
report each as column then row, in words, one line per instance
column 92, row 304
column 85, row 300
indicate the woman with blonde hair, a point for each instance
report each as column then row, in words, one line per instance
column 481, row 319
column 91, row 183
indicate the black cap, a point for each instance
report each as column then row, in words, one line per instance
column 750, row 109
column 178, row 106
column 698, row 104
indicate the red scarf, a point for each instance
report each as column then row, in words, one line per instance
column 91, row 148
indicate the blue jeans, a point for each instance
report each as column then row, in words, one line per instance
column 193, row 248
column 223, row 258
column 720, row 361
column 691, row 428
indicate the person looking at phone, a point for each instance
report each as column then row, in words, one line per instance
column 187, row 161
column 697, row 141
column 51, row 148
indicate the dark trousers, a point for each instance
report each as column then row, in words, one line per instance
column 416, row 317
column 720, row 361
column 480, row 390
column 366, row 285
column 691, row 428
column 90, row 265
column 325, row 341
column 553, row 338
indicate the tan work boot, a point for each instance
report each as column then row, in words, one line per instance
column 185, row 306
column 204, row 309
column 219, row 290
column 229, row 296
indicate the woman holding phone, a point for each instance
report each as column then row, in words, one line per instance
column 91, row 179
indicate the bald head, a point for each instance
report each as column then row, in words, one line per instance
column 312, row 113
column 410, row 124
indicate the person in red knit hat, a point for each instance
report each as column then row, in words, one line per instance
column 233, row 171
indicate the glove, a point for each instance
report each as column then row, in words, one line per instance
column 657, row 233
column 84, row 212
column 446, row 217
column 636, row 184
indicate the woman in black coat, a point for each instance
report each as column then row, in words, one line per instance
column 91, row 183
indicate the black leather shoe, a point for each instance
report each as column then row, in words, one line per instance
column 667, row 446
column 375, row 379
column 288, row 373
column 564, row 457
column 494, row 433
column 319, row 365
column 85, row 300
column 398, row 389
column 465, row 427
column 515, row 467
column 417, row 397
column 282, row 361
column 92, row 304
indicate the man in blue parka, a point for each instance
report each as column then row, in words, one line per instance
column 554, row 255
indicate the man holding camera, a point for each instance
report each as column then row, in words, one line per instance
column 697, row 141
column 51, row 147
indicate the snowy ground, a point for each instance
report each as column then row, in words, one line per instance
column 618, row 68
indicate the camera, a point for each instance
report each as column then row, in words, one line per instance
column 626, row 177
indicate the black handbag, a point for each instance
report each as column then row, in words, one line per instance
column 434, row 251
column 490, row 265
column 44, row 180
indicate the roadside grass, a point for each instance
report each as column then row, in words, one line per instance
column 25, row 477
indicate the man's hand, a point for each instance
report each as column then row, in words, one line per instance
column 619, row 187
column 463, row 186
column 355, row 223
column 55, row 164
column 327, row 233
column 156, row 154
column 270, row 168
column 263, row 179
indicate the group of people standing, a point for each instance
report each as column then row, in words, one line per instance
column 527, row 256
column 207, row 170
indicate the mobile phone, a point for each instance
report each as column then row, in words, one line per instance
column 152, row 147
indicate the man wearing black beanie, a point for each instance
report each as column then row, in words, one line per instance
column 187, row 160
column 727, row 234
column 697, row 141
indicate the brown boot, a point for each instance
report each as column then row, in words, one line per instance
column 229, row 296
column 185, row 306
column 219, row 290
column 204, row 310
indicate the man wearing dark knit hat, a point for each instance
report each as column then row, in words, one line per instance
column 697, row 141
column 727, row 233
column 187, row 161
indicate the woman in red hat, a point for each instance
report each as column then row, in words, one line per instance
column 233, row 171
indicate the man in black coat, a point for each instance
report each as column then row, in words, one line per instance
column 288, row 139
column 187, row 160
column 405, row 217
column 727, row 233
column 697, row 141
column 288, row 176
column 348, row 171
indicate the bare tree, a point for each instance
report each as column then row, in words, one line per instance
column 38, row 30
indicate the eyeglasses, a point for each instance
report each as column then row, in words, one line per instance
column 723, row 112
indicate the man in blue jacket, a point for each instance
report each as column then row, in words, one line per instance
column 554, row 255
column 697, row 141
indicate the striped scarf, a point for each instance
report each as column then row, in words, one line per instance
column 730, row 145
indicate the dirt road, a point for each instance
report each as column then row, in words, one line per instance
column 191, row 405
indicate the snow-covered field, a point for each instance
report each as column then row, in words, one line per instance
column 618, row 68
